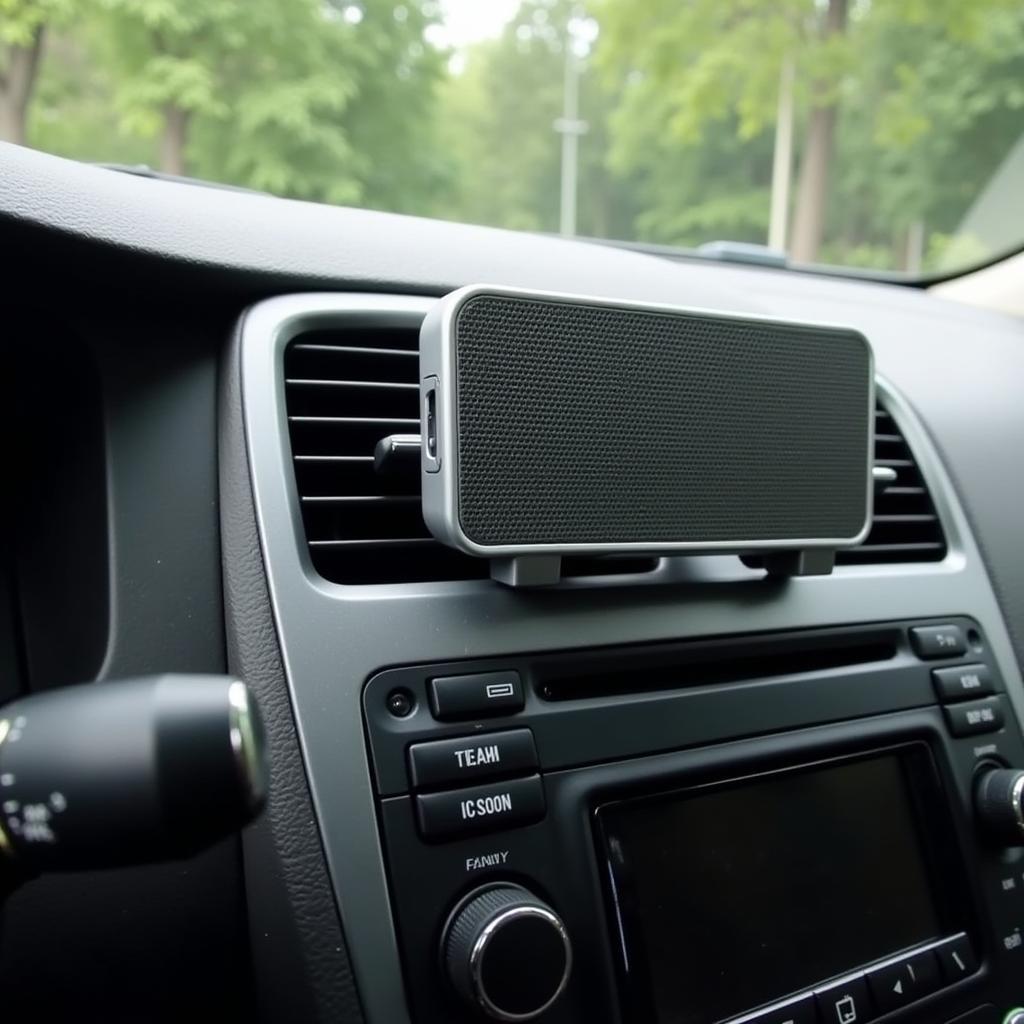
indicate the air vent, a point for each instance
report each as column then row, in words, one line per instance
column 905, row 527
column 345, row 390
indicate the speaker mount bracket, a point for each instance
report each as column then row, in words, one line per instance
column 810, row 562
column 527, row 570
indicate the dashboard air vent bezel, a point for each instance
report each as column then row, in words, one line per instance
column 346, row 388
column 403, row 314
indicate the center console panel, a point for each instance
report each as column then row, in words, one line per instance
column 776, row 828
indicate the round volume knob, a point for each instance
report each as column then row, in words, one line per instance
column 999, row 802
column 507, row 953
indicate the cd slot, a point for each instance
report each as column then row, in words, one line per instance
column 717, row 662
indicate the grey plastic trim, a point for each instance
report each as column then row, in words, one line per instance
column 334, row 637
column 440, row 476
column 779, row 1007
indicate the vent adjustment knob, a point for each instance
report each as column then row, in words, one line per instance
column 999, row 804
column 507, row 953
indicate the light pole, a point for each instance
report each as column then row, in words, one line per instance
column 570, row 127
column 782, row 163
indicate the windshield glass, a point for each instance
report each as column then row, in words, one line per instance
column 882, row 134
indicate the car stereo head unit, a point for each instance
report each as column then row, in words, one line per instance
column 817, row 827
column 729, row 896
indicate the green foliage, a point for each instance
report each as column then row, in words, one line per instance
column 348, row 101
column 316, row 100
column 20, row 19
column 929, row 94
column 690, row 192
column 707, row 62
column 390, row 122
column 73, row 111
column 211, row 63
column 497, row 123
column 934, row 109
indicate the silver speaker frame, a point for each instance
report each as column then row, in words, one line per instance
column 440, row 463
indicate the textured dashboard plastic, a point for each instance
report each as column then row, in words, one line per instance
column 302, row 968
column 134, row 243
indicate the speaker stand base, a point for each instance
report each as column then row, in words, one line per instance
column 813, row 562
column 527, row 570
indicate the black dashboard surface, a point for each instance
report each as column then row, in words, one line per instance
column 116, row 238
column 152, row 274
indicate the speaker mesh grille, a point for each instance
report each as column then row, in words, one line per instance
column 744, row 430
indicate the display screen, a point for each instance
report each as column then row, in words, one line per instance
column 731, row 896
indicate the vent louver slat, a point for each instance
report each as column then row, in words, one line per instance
column 345, row 390
column 905, row 527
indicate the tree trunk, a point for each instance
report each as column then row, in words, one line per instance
column 172, row 145
column 812, row 188
column 16, row 87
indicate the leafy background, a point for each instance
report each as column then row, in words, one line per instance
column 903, row 111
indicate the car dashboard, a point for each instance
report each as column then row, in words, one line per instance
column 202, row 380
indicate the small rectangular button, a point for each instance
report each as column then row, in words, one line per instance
column 986, row 1014
column 844, row 1002
column 938, row 641
column 913, row 977
column 797, row 1011
column 961, row 682
column 956, row 958
column 468, row 759
column 464, row 812
column 976, row 717
column 482, row 695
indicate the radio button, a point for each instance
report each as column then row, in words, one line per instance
column 974, row 718
column 986, row 1014
column 938, row 641
column 956, row 958
column 895, row 985
column 962, row 682
column 483, row 695
column 464, row 812
column 471, row 758
column 844, row 1002
column 799, row 1011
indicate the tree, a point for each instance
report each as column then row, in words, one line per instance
column 686, row 193
column 23, row 26
column 391, row 121
column 497, row 122
column 196, row 76
column 707, row 67
column 939, row 101
column 813, row 180
column 317, row 99
column 498, row 126
column 902, row 108
column 926, row 88
column 73, row 112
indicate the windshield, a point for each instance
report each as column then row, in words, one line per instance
column 881, row 134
